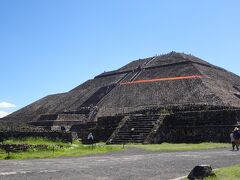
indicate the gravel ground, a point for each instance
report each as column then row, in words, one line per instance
column 120, row 165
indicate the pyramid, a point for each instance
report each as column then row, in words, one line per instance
column 168, row 98
column 173, row 79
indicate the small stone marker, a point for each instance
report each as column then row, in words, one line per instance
column 200, row 172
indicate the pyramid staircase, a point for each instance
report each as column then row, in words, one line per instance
column 136, row 129
column 98, row 95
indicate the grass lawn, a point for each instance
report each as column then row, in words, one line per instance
column 168, row 147
column 60, row 149
column 227, row 173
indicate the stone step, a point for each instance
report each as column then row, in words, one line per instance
column 131, row 135
column 141, row 122
column 132, row 140
column 138, row 117
column 128, row 128
column 127, row 132
column 143, row 119
column 134, row 132
column 124, row 142
column 136, row 127
column 150, row 115
column 146, row 117
column 129, row 139
column 142, row 127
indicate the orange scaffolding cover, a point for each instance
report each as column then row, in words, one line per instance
column 162, row 79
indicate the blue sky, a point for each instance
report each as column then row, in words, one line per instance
column 51, row 46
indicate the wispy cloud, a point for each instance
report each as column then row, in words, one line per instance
column 3, row 114
column 4, row 105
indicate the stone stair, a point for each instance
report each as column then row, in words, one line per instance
column 134, row 130
column 98, row 95
column 135, row 75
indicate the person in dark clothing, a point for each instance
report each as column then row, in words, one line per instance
column 232, row 140
column 235, row 136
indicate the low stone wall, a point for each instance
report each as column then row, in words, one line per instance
column 198, row 126
column 50, row 135
column 59, row 121
column 20, row 147
column 178, row 108
column 194, row 134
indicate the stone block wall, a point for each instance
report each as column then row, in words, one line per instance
column 198, row 126
column 105, row 127
column 102, row 129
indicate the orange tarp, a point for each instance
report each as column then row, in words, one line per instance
column 163, row 79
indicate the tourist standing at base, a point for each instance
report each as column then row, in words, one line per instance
column 235, row 136
column 233, row 140
column 90, row 138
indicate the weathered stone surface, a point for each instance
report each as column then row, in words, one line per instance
column 174, row 83
column 200, row 172
column 109, row 91
column 198, row 126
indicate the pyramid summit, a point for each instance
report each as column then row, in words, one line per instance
column 166, row 88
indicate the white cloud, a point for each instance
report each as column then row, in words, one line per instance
column 4, row 105
column 3, row 114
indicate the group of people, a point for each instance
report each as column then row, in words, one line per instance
column 235, row 138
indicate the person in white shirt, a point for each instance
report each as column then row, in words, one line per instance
column 90, row 138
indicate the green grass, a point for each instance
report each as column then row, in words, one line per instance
column 78, row 149
column 168, row 147
column 227, row 173
column 68, row 149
